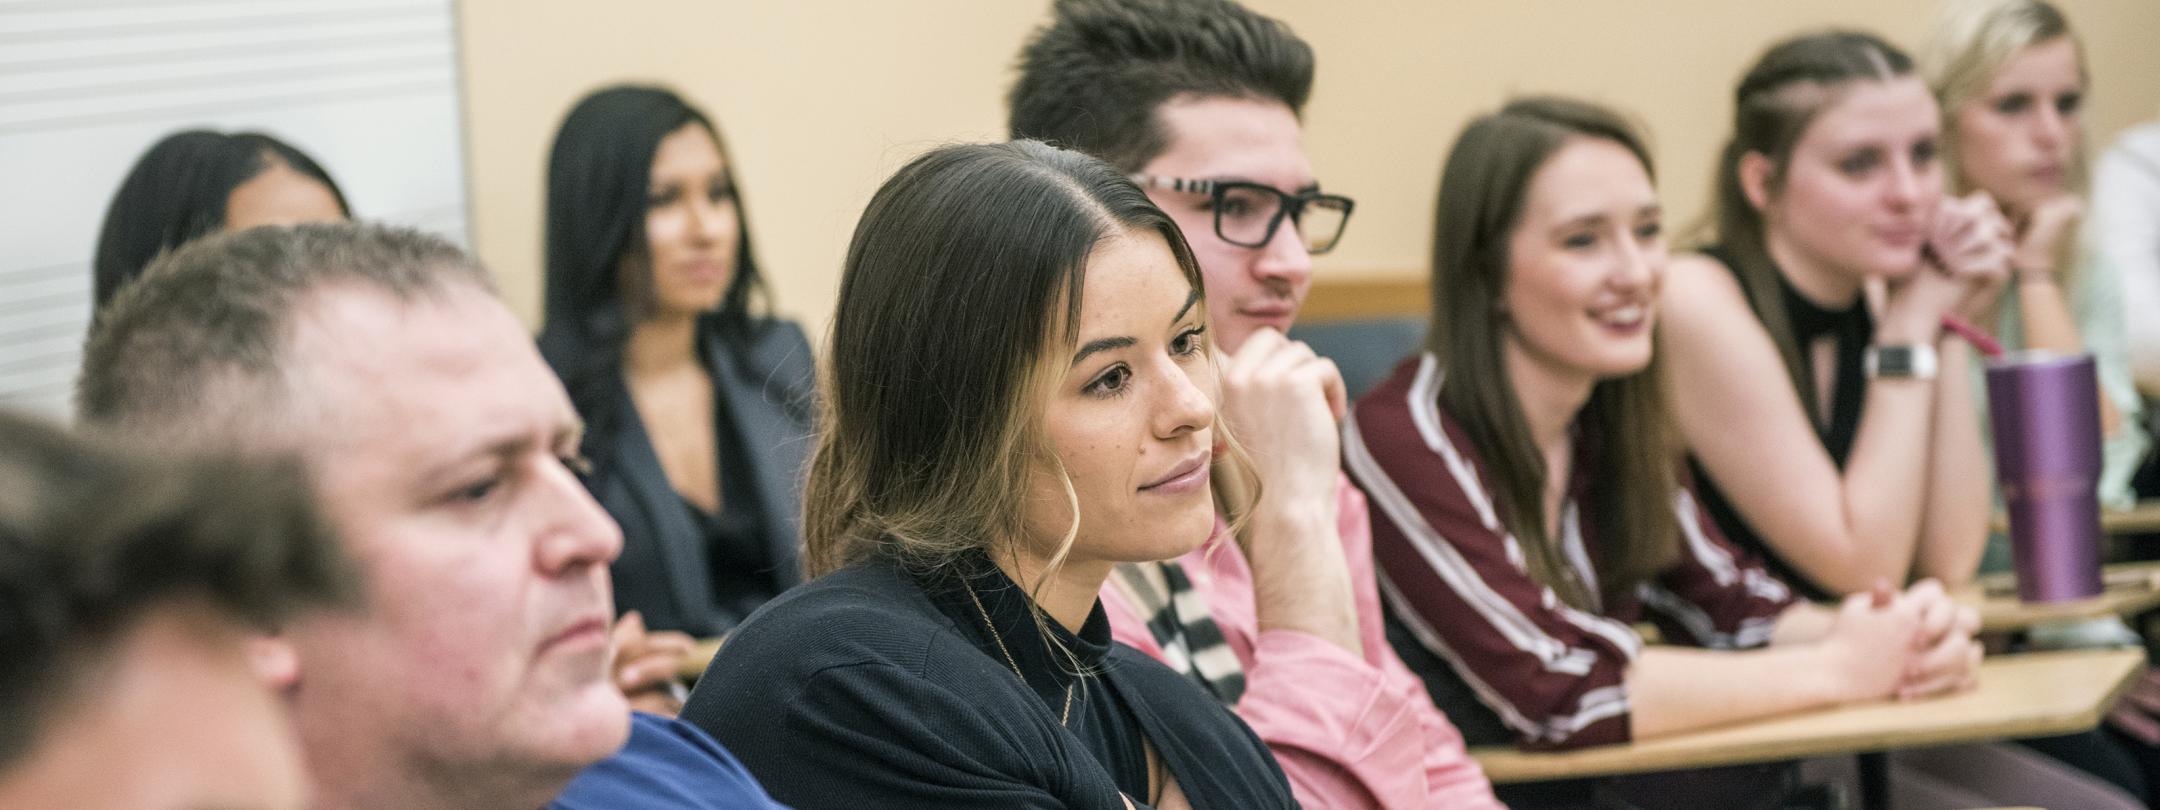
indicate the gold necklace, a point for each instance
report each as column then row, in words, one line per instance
column 1063, row 716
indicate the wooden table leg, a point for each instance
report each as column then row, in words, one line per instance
column 1875, row 781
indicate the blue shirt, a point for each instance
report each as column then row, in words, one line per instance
column 666, row 764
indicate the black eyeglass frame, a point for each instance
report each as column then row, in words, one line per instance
column 1290, row 205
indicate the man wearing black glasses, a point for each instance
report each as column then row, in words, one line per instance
column 1199, row 100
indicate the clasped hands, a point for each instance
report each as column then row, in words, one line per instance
column 1909, row 645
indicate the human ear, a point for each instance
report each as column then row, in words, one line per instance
column 1755, row 170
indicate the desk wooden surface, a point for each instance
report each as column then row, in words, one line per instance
column 2141, row 518
column 2027, row 695
column 694, row 666
column 2130, row 589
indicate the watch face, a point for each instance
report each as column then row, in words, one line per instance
column 1901, row 361
column 1895, row 360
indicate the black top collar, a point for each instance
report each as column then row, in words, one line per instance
column 879, row 685
column 1033, row 639
column 1811, row 320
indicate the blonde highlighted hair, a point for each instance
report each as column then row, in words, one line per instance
column 1970, row 42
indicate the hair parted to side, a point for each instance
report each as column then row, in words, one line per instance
column 196, row 350
column 178, row 191
column 1484, row 189
column 93, row 538
column 1971, row 41
column 1779, row 97
column 958, row 305
column 1092, row 78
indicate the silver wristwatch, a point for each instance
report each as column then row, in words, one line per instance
column 1910, row 361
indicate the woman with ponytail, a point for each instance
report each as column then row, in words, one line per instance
column 1825, row 409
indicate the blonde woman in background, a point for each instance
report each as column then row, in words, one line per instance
column 2011, row 80
column 2010, row 76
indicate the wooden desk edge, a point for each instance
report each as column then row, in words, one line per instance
column 2130, row 588
column 1506, row 765
column 2026, row 616
column 693, row 667
column 2141, row 518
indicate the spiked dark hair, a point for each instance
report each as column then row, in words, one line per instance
column 1092, row 78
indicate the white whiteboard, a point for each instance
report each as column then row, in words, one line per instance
column 369, row 88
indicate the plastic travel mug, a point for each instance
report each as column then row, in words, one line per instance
column 2045, row 411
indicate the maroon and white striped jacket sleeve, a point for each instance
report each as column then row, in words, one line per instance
column 1456, row 578
column 1714, row 596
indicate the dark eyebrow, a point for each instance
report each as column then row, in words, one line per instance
column 1102, row 345
column 1106, row 344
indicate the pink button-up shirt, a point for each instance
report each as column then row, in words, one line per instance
column 1349, row 732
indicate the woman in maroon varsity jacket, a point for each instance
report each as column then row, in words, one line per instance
column 1526, row 500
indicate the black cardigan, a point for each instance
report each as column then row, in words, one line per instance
column 874, row 687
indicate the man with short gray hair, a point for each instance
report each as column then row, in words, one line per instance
column 442, row 450
column 205, row 355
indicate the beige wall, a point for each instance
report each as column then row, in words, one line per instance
column 821, row 99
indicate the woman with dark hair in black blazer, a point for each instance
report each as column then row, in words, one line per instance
column 696, row 404
column 197, row 182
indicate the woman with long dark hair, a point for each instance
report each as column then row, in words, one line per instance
column 1019, row 395
column 1529, row 507
column 696, row 403
column 193, row 183
column 1526, row 490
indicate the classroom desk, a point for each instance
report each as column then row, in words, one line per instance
column 694, row 666
column 2132, row 588
column 2025, row 695
column 2141, row 518
column 2129, row 589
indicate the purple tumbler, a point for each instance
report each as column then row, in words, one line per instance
column 2045, row 410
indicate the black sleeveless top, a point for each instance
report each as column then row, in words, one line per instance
column 1853, row 328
